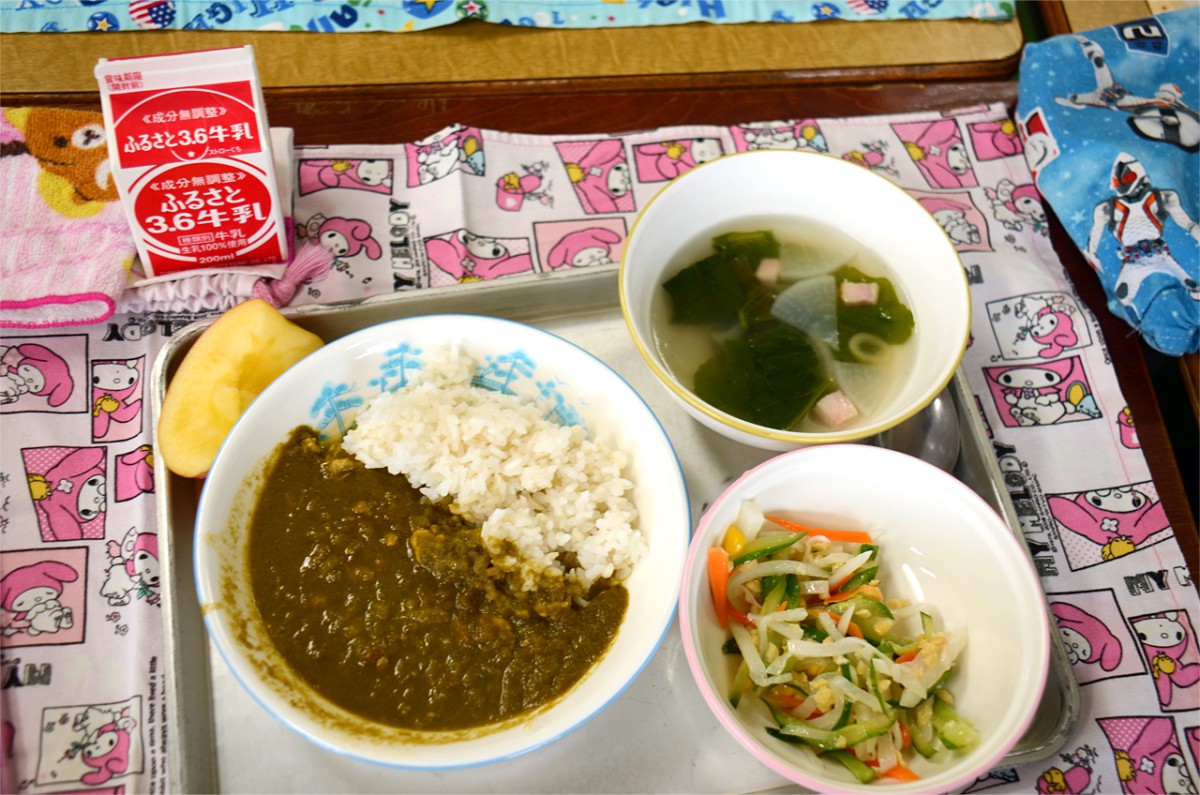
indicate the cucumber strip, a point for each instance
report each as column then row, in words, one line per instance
column 941, row 682
column 828, row 740
column 877, row 616
column 873, row 678
column 794, row 597
column 955, row 732
column 763, row 546
column 877, row 623
column 774, row 595
column 861, row 577
column 855, row 733
column 856, row 766
column 844, row 718
column 920, row 735
column 741, row 681
column 787, row 738
column 814, row 633
column 821, row 739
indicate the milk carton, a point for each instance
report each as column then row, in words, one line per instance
column 191, row 156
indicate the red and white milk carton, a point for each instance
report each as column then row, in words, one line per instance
column 191, row 156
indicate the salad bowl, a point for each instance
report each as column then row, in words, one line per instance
column 940, row 549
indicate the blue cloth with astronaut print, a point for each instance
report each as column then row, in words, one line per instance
column 1112, row 134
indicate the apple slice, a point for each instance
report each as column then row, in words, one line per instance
column 231, row 362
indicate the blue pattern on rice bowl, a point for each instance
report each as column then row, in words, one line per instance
column 546, row 491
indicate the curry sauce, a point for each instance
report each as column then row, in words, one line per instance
column 389, row 606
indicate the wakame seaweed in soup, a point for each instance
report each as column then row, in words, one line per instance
column 776, row 330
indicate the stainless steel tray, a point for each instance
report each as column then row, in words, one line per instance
column 658, row 736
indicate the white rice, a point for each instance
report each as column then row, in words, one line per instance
column 555, row 496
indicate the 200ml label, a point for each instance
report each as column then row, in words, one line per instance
column 206, row 214
column 185, row 124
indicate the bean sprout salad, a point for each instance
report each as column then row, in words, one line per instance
column 844, row 670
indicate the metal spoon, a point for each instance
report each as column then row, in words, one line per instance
column 932, row 434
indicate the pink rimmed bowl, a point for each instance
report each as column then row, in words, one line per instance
column 940, row 544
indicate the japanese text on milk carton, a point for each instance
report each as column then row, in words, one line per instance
column 191, row 156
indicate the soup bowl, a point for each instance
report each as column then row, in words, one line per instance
column 747, row 191
column 326, row 390
column 942, row 548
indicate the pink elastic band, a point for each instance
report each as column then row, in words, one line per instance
column 51, row 310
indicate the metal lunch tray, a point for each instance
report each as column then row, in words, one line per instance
column 657, row 736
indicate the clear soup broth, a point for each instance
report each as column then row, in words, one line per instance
column 805, row 293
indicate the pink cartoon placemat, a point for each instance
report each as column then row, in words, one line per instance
column 469, row 204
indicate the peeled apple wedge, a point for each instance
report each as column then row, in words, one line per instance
column 231, row 362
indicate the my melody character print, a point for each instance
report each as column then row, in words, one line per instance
column 1110, row 117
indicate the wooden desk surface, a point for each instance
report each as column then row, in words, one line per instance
column 1068, row 16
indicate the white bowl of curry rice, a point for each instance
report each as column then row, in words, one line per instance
column 442, row 541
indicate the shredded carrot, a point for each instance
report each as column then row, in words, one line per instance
column 869, row 591
column 785, row 697
column 835, row 587
column 908, row 656
column 718, row 579
column 845, row 536
column 842, row 596
column 900, row 773
column 853, row 630
column 905, row 737
column 738, row 615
